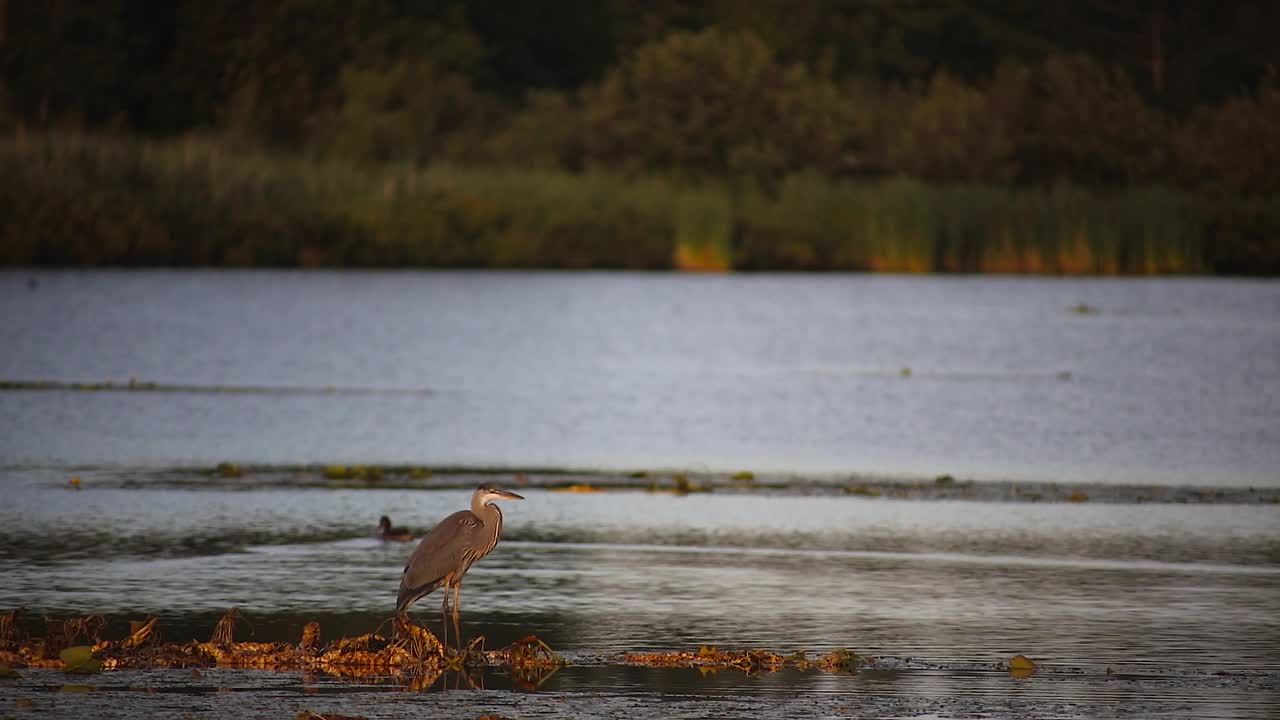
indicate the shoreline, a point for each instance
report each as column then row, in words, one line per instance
column 667, row 481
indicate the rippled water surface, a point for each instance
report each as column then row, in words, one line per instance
column 1156, row 381
column 1145, row 602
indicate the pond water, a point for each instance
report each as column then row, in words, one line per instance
column 1173, row 381
column 1132, row 606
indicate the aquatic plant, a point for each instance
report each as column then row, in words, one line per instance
column 79, row 659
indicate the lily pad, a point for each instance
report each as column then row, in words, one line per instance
column 80, row 659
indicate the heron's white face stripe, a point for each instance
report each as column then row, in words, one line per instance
column 490, row 496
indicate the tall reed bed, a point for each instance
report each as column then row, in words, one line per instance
column 99, row 201
column 902, row 225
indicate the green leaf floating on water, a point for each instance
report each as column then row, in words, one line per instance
column 8, row 673
column 80, row 659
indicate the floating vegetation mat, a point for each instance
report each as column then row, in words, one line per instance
column 411, row 651
column 135, row 385
column 712, row 659
column 570, row 481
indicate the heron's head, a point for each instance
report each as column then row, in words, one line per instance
column 487, row 493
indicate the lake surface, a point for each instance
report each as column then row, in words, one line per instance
column 1169, row 381
column 1148, row 604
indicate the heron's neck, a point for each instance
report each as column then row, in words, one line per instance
column 488, row 513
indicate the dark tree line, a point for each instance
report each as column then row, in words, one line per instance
column 1094, row 92
column 174, row 66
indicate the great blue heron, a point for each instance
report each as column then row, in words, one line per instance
column 393, row 534
column 446, row 553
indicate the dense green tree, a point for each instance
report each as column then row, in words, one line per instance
column 1090, row 124
column 406, row 94
column 953, row 132
column 65, row 62
column 714, row 103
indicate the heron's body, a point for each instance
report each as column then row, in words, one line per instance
column 445, row 554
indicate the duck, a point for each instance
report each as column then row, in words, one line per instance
column 393, row 534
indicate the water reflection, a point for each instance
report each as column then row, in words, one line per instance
column 595, row 691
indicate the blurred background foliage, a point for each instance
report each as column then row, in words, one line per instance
column 953, row 135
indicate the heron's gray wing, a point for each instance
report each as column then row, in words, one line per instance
column 440, row 552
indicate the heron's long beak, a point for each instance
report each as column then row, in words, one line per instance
column 507, row 495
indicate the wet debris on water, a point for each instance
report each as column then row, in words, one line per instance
column 229, row 470
column 412, row 650
column 843, row 660
column 368, row 473
column 1021, row 667
column 225, row 631
column 141, row 633
column 575, row 488
column 10, row 633
column 712, row 659
column 310, row 637
column 530, row 660
column 680, row 485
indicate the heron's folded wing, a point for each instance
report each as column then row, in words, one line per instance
column 440, row 552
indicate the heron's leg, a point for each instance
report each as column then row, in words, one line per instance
column 444, row 615
column 457, row 618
